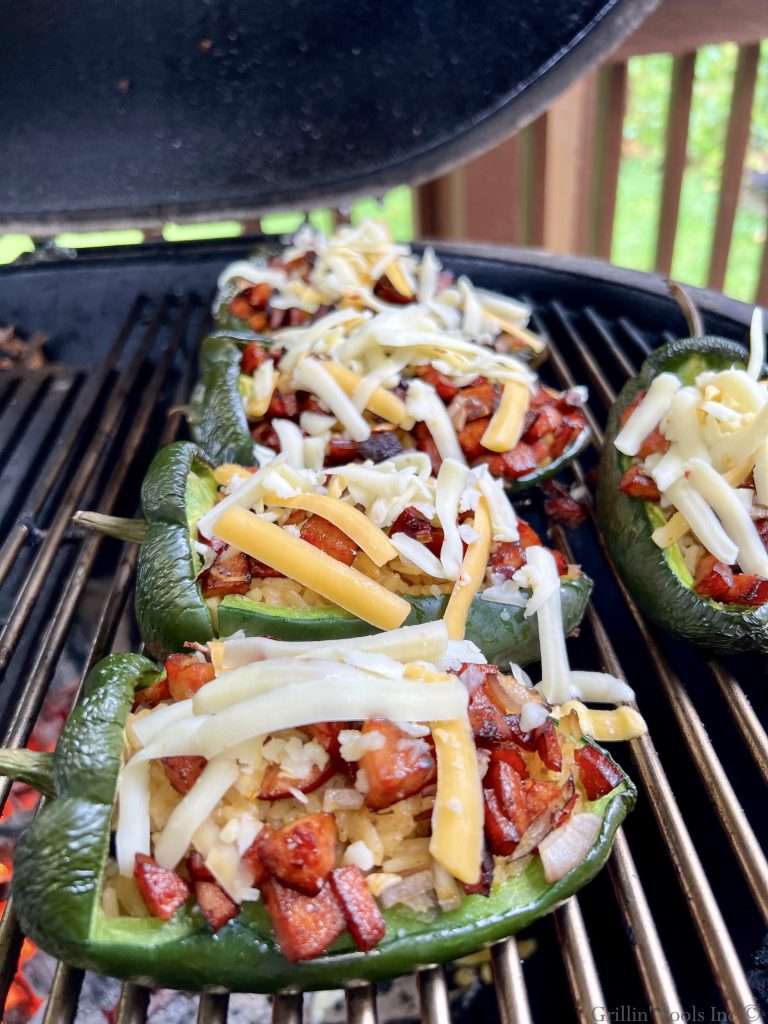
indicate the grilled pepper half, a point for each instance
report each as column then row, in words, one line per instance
column 710, row 603
column 219, row 424
column 170, row 608
column 61, row 860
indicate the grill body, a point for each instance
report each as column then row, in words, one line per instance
column 677, row 923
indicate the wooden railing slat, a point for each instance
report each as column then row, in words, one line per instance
column 678, row 116
column 736, row 143
column 610, row 110
column 761, row 294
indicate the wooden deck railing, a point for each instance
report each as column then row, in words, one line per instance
column 555, row 184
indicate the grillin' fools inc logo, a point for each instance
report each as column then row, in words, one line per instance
column 627, row 1014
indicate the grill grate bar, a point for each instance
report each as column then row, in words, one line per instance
column 580, row 966
column 61, row 1007
column 651, row 959
column 361, row 1004
column 744, row 715
column 213, row 1008
column 287, row 1008
column 103, row 436
column 132, row 1005
column 63, row 449
column 433, row 996
column 509, row 981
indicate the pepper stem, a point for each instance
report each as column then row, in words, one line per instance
column 687, row 307
column 30, row 766
column 133, row 531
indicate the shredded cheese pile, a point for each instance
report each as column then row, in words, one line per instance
column 363, row 500
column 713, row 479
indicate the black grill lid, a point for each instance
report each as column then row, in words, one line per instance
column 116, row 113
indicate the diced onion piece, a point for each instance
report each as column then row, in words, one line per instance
column 648, row 414
column 313, row 568
column 424, row 404
column 299, row 704
column 502, row 512
column 146, row 728
column 506, row 426
column 671, row 532
column 381, row 402
column 532, row 715
column 471, row 576
column 457, row 817
column 756, row 344
column 320, row 379
column 451, row 479
column 187, row 816
column 425, row 642
column 291, row 442
column 600, row 687
column 248, row 681
column 350, row 520
column 702, row 521
column 418, row 554
column 132, row 835
column 761, row 474
column 615, row 726
column 566, row 847
column 752, row 556
column 555, row 670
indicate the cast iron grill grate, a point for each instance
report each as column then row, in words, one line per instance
column 673, row 927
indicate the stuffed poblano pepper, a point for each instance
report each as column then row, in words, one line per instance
column 304, row 815
column 683, row 493
column 362, row 377
column 322, row 554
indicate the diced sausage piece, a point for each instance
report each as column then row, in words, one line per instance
column 196, row 868
column 474, row 402
column 305, row 926
column 528, row 536
column 482, row 886
column 718, row 581
column 363, row 917
column 258, row 322
column 573, row 424
column 547, row 421
column 470, row 436
column 275, row 785
column 654, row 443
column 183, row 772
column 598, row 774
column 262, row 571
column 565, row 811
column 443, row 385
column 283, row 407
column 500, row 832
column 426, row 443
column 636, row 483
column 489, row 724
column 415, row 524
column 508, row 786
column 506, row 558
column 254, row 354
column 511, row 465
column 525, row 740
column 149, row 696
column 229, row 574
column 560, row 506
column 508, row 754
column 240, row 307
column 399, row 768
column 252, row 857
column 186, row 674
column 321, row 533
column 341, row 450
column 216, row 906
column 386, row 291
column 162, row 890
column 265, row 434
column 548, row 746
column 382, row 444
column 302, row 854
column 258, row 295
